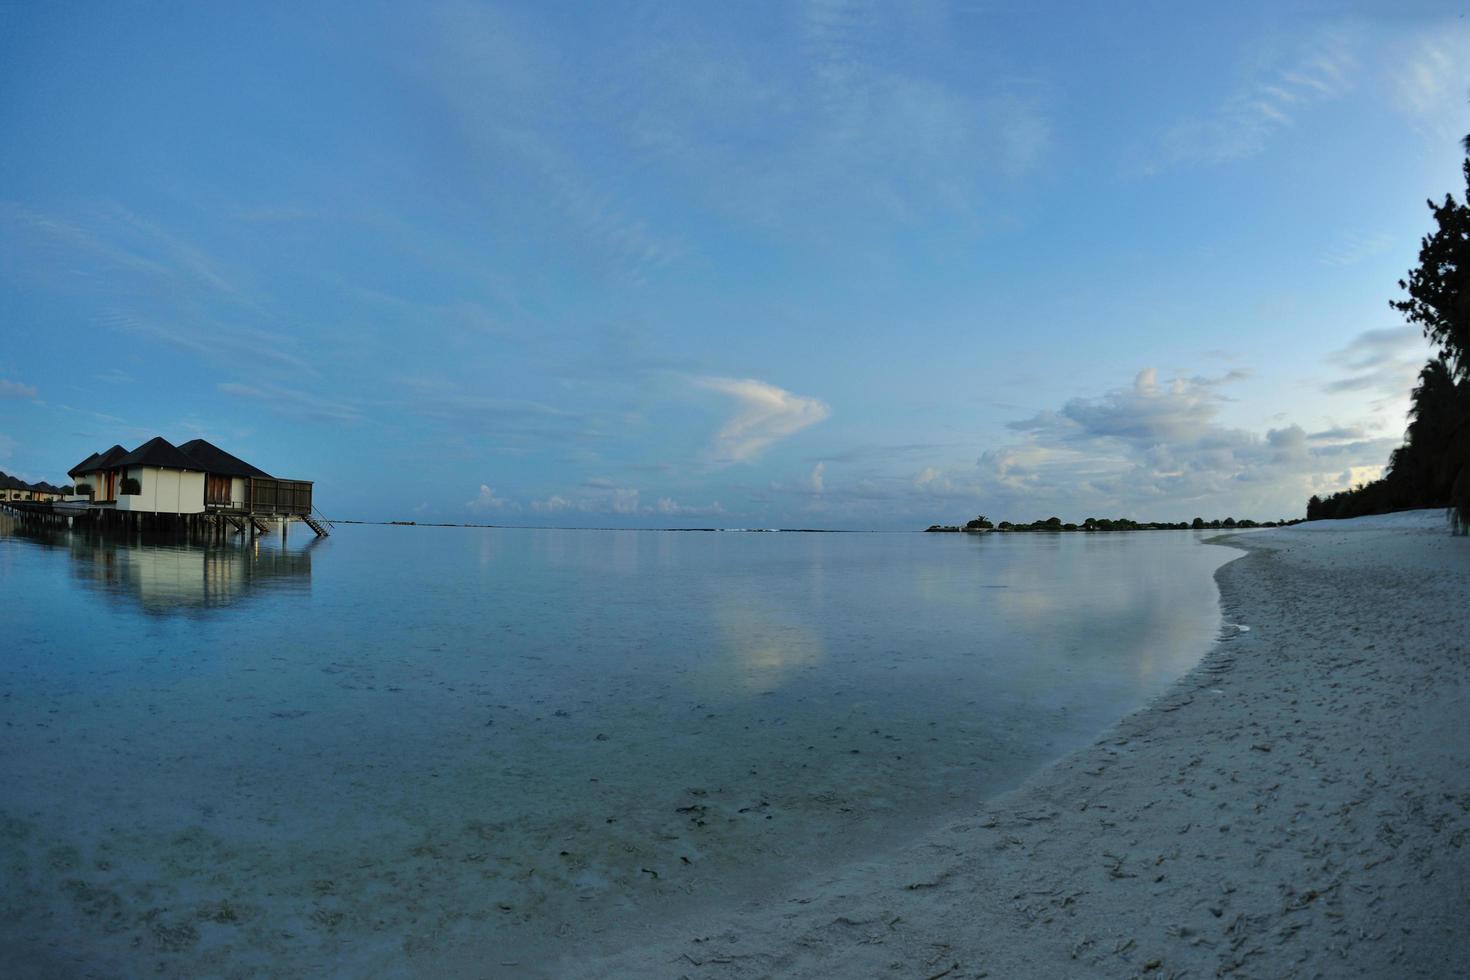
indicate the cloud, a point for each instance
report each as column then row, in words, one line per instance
column 766, row 414
column 140, row 278
column 1266, row 103
column 487, row 501
column 843, row 134
column 1337, row 434
column 1384, row 362
column 1428, row 81
column 14, row 389
column 1354, row 248
column 1153, row 449
column 515, row 107
column 291, row 403
column 598, row 498
column 814, row 482
column 555, row 504
column 670, row 507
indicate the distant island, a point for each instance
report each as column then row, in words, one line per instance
column 982, row 524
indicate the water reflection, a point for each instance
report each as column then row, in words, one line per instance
column 174, row 574
column 761, row 647
column 574, row 729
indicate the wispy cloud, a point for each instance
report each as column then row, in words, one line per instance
column 1353, row 248
column 1429, row 78
column 765, row 415
column 292, row 403
column 141, row 278
column 1268, row 101
column 512, row 100
column 1383, row 363
column 14, row 389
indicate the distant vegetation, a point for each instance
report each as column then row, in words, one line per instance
column 1107, row 524
column 1432, row 467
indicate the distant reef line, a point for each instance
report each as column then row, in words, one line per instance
column 983, row 524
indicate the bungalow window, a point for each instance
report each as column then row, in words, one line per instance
column 217, row 491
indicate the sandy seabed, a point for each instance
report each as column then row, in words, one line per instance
column 1296, row 806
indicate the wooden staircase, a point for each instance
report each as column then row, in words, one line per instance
column 319, row 525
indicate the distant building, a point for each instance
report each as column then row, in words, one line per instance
column 196, row 478
column 14, row 488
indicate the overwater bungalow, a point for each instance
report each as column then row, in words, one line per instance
column 96, row 477
column 14, row 488
column 197, row 483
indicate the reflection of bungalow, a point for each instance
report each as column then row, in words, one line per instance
column 167, row 580
column 197, row 478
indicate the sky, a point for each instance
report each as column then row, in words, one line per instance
column 801, row 264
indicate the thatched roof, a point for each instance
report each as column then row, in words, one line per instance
column 212, row 459
column 159, row 452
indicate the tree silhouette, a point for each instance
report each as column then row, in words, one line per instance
column 1439, row 289
column 1432, row 467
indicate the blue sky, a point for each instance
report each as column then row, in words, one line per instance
column 800, row 264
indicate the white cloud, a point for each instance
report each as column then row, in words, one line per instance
column 672, row 508
column 625, row 500
column 14, row 389
column 555, row 504
column 1266, row 103
column 1154, row 450
column 766, row 414
column 595, row 498
column 1429, row 78
column 487, row 501
column 815, row 482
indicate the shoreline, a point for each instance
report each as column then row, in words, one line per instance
column 1297, row 804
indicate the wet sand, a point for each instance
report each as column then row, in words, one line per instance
column 1298, row 805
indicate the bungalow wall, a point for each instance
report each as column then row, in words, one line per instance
column 164, row 491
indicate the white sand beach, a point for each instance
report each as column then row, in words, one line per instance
column 1296, row 806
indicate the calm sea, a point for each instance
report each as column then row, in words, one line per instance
column 357, row 754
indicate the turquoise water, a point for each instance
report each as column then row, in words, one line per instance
column 358, row 754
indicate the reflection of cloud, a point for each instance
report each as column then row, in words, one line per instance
column 766, row 415
column 759, row 647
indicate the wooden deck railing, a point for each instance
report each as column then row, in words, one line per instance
column 265, row 496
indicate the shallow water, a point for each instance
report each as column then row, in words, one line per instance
column 358, row 754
